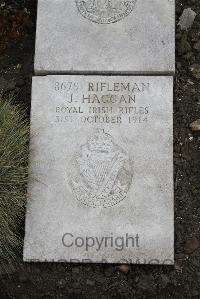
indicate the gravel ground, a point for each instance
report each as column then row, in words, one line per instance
column 17, row 35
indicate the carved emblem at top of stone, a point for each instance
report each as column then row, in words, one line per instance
column 105, row 11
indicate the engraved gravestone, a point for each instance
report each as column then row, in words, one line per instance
column 101, row 169
column 105, row 36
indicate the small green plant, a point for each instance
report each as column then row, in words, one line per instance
column 14, row 140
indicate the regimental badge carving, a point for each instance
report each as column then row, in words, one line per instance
column 101, row 173
column 105, row 11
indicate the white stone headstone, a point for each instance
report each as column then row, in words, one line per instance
column 102, row 36
column 101, row 170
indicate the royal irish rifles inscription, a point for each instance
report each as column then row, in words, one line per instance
column 105, row 11
column 101, row 170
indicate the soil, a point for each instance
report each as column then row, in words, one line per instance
column 17, row 39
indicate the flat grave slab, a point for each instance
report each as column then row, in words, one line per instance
column 101, row 170
column 102, row 36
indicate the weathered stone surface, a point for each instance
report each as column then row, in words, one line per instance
column 136, row 37
column 101, row 170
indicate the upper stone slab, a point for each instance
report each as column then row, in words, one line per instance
column 102, row 36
